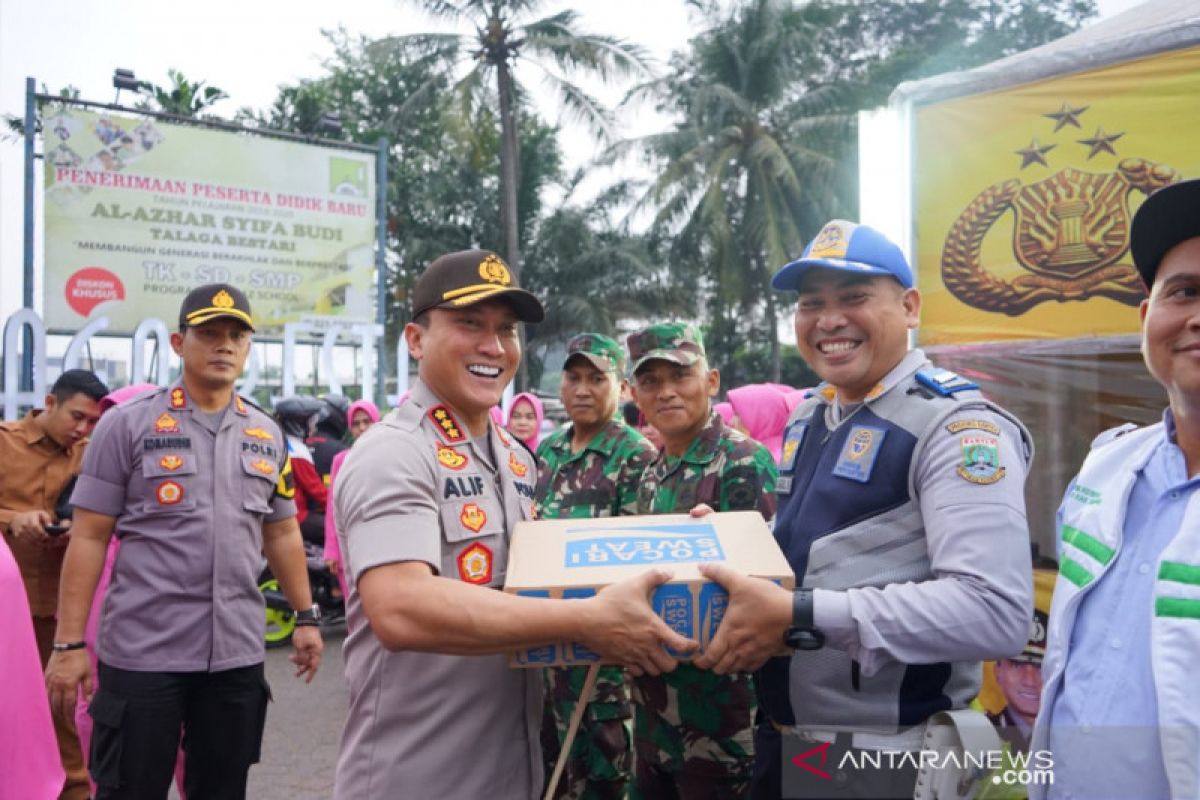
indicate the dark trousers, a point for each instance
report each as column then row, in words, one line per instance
column 768, row 782
column 140, row 716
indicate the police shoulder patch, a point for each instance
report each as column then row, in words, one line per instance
column 958, row 426
column 980, row 459
column 285, row 485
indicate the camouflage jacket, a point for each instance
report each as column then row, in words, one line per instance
column 722, row 467
column 601, row 480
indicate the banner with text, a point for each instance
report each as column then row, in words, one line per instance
column 1024, row 198
column 138, row 212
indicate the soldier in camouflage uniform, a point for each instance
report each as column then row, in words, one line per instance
column 590, row 469
column 693, row 735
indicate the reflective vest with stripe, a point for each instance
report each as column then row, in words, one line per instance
column 1093, row 522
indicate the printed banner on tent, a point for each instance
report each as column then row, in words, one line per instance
column 138, row 212
column 1024, row 199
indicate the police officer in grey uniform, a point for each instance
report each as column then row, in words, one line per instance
column 194, row 481
column 427, row 501
column 901, row 511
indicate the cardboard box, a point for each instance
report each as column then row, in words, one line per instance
column 575, row 558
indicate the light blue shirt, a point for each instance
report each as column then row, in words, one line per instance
column 1104, row 718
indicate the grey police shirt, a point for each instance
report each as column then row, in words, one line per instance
column 417, row 488
column 190, row 500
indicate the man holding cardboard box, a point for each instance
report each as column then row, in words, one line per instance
column 591, row 469
column 693, row 733
column 903, row 516
column 427, row 500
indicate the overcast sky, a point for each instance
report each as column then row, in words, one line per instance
column 248, row 48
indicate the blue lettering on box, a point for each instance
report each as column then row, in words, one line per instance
column 537, row 655
column 575, row 651
column 673, row 602
column 713, row 602
column 644, row 545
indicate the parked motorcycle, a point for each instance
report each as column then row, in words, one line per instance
column 281, row 620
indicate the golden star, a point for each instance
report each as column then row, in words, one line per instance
column 1066, row 116
column 1035, row 153
column 1101, row 143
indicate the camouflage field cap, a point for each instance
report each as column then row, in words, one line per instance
column 603, row 353
column 677, row 342
column 458, row 280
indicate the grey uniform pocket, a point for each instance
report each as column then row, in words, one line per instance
column 170, row 482
column 258, row 485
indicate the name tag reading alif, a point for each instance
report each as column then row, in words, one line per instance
column 575, row 558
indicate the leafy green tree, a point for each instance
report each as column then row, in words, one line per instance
column 505, row 34
column 442, row 192
column 593, row 275
column 182, row 97
column 764, row 148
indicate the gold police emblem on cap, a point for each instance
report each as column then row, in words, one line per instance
column 830, row 242
column 223, row 299
column 492, row 270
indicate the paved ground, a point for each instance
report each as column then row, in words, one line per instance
column 303, row 725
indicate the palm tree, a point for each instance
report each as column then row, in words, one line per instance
column 183, row 98
column 750, row 170
column 505, row 37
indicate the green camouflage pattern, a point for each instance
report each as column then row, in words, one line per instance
column 604, row 353
column 600, row 480
column 677, row 342
column 693, row 730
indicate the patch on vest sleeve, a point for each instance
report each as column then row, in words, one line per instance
column 980, row 459
column 858, row 456
column 973, row 424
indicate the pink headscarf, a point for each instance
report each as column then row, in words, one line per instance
column 725, row 410
column 763, row 411
column 362, row 405
column 118, row 396
column 536, row 404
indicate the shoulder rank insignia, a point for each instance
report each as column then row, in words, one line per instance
column 451, row 458
column 980, row 459
column 857, row 459
column 166, row 424
column 475, row 565
column 944, row 382
column 171, row 462
column 178, row 399
column 503, row 436
column 258, row 433
column 447, row 424
column 516, row 466
column 239, row 404
column 472, row 517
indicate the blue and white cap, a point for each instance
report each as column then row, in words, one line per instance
column 847, row 247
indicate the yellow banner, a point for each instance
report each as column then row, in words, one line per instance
column 1024, row 199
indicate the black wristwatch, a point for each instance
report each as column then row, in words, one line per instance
column 803, row 635
column 309, row 616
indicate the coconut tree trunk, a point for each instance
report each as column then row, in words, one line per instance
column 510, row 170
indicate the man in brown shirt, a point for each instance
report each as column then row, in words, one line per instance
column 40, row 453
